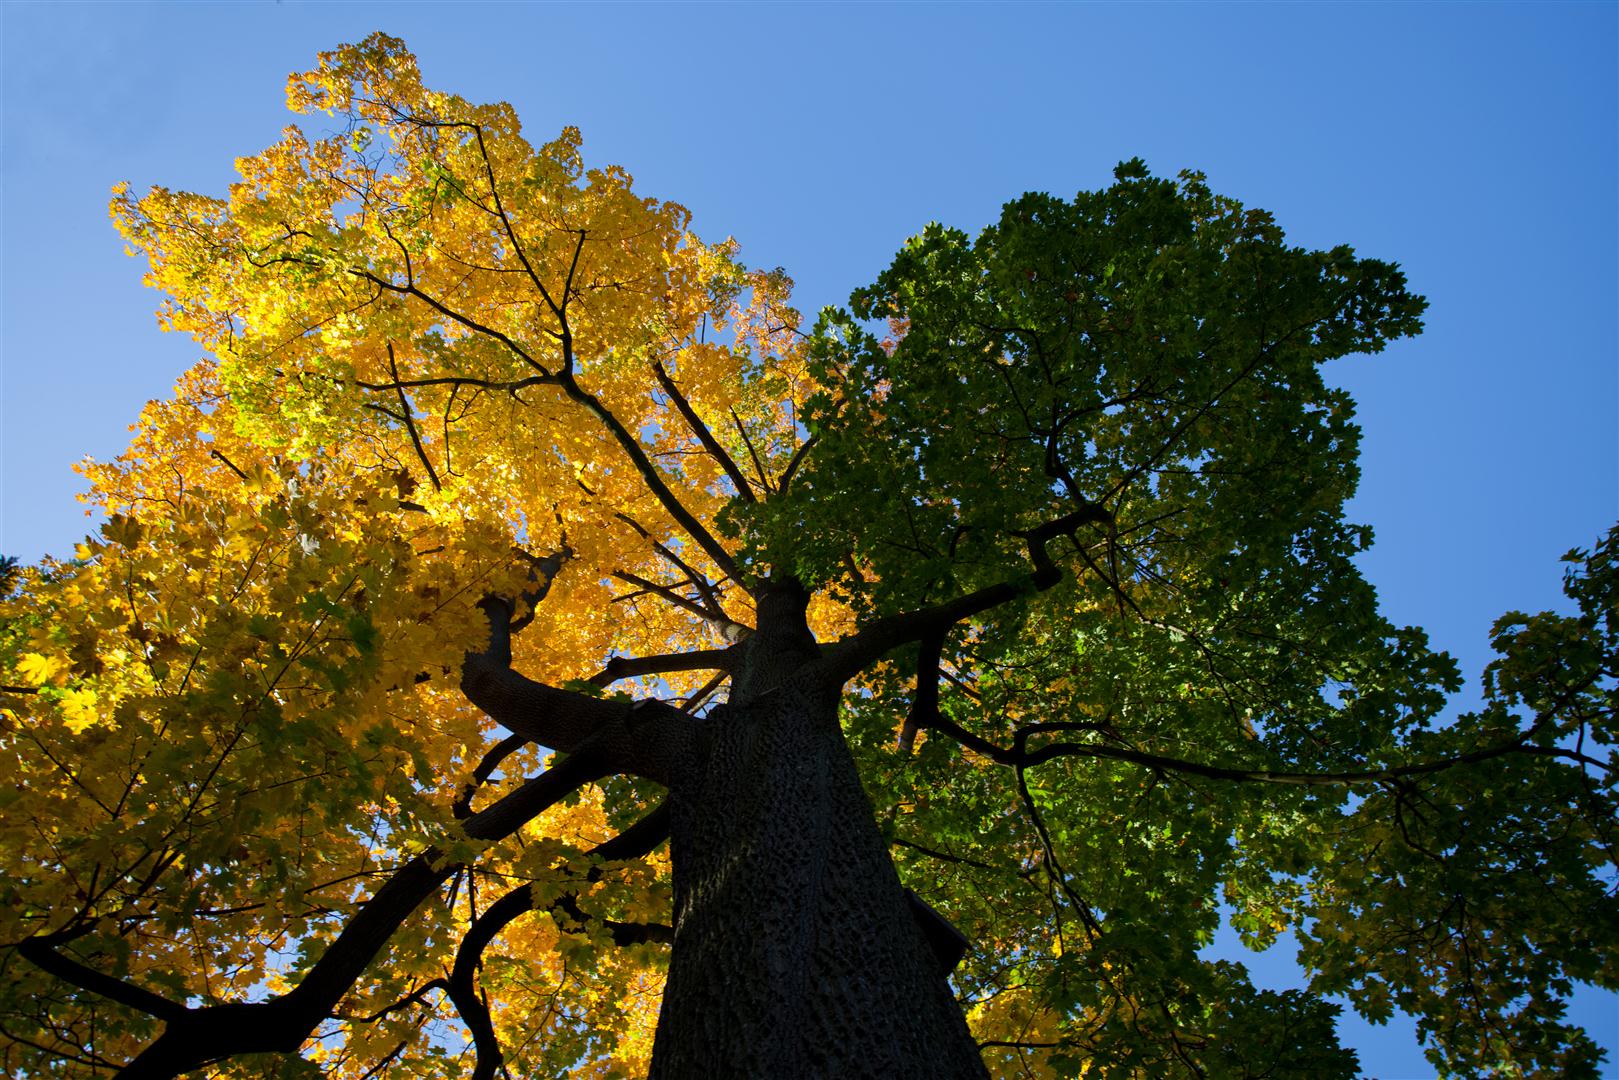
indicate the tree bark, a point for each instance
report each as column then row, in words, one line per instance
column 796, row 952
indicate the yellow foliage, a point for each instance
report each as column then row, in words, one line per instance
column 247, row 713
column 1014, row 1016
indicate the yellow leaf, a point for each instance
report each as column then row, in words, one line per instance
column 79, row 709
column 39, row 669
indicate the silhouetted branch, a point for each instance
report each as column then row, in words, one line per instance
column 797, row 460
column 727, row 627
column 851, row 655
column 699, row 581
column 1019, row 756
column 486, row 768
column 410, row 422
column 628, row 667
column 637, row 840
column 758, row 465
column 653, row 479
column 743, row 489
column 193, row 1037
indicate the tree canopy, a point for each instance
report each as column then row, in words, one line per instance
column 343, row 747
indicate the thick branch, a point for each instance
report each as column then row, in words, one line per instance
column 501, row 611
column 925, row 705
column 202, row 1035
column 462, row 989
column 639, row 738
column 498, row 611
column 637, row 840
column 624, row 933
column 39, row 952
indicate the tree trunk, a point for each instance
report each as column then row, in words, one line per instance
column 796, row 952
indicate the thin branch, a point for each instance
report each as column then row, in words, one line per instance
column 486, row 768
column 654, row 480
column 1053, row 867
column 796, row 460
column 511, row 233
column 1201, row 411
column 229, row 464
column 1014, row 1044
column 699, row 581
column 727, row 627
column 570, row 386
column 1020, row 757
column 403, row 1003
column 573, row 267
column 695, row 701
column 410, row 423
column 758, row 465
column 456, row 316
column 942, row 856
column 850, row 655
column 637, row 840
column 743, row 489
column 629, row 667
column 458, row 381
column 388, row 1058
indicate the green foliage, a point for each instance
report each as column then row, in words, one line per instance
column 1468, row 879
column 1477, row 897
column 1151, row 346
column 1156, row 349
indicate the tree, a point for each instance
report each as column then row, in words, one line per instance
column 519, row 626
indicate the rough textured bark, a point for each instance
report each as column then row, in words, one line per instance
column 796, row 952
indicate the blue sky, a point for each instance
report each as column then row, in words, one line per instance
column 1476, row 144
